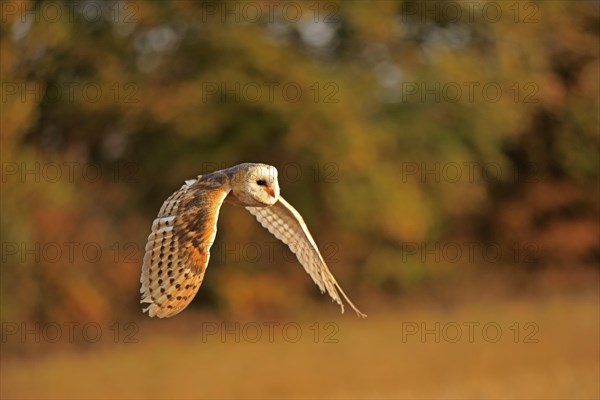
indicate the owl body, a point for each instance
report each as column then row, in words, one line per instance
column 178, row 247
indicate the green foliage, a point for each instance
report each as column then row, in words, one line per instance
column 168, row 90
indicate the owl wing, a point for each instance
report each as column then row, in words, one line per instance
column 178, row 248
column 287, row 225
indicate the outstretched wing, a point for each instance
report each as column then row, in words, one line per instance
column 178, row 247
column 283, row 221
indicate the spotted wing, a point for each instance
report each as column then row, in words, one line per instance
column 178, row 248
column 287, row 225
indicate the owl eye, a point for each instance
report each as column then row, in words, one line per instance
column 260, row 182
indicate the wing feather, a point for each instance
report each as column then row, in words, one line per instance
column 178, row 247
column 287, row 225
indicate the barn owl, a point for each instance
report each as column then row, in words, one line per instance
column 178, row 247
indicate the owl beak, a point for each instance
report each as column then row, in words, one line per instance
column 270, row 191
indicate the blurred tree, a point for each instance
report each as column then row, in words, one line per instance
column 392, row 124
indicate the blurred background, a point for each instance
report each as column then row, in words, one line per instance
column 444, row 155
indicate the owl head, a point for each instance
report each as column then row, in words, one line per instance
column 255, row 184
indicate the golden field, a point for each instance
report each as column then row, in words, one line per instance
column 196, row 357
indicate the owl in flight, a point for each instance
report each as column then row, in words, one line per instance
column 178, row 247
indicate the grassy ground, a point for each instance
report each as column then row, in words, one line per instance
column 385, row 356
